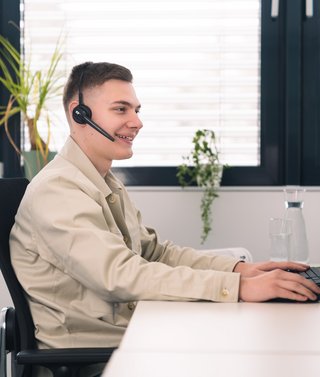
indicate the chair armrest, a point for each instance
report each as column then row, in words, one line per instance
column 64, row 362
column 66, row 356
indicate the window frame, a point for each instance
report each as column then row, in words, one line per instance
column 289, row 137
column 10, row 16
column 310, row 136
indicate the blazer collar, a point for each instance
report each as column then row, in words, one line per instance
column 74, row 154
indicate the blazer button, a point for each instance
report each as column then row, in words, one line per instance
column 131, row 305
column 112, row 199
column 225, row 292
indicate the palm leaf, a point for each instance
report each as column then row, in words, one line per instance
column 28, row 88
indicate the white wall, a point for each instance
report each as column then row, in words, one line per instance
column 241, row 216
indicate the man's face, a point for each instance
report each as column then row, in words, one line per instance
column 115, row 108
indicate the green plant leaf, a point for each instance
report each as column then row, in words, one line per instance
column 28, row 88
column 203, row 168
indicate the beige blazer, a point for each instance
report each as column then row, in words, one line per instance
column 84, row 258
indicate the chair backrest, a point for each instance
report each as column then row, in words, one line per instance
column 11, row 193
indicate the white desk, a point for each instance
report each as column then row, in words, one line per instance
column 152, row 364
column 224, row 327
column 182, row 337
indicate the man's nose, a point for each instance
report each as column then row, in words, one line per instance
column 135, row 122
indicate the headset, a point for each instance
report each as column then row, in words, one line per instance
column 82, row 114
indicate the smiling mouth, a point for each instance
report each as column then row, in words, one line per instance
column 129, row 138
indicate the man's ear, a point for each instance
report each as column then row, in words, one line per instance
column 71, row 107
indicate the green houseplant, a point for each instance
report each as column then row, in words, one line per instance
column 203, row 168
column 29, row 92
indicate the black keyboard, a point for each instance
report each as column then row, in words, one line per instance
column 313, row 273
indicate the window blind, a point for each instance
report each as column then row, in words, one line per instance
column 196, row 64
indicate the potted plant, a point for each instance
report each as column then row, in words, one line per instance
column 203, row 168
column 28, row 94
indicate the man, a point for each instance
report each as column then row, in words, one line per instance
column 79, row 247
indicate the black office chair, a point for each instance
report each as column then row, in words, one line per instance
column 17, row 327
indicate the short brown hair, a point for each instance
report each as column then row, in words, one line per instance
column 89, row 74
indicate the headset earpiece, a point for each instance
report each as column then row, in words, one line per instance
column 79, row 112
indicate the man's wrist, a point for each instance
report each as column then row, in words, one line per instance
column 239, row 267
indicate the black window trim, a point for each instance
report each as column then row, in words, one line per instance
column 9, row 20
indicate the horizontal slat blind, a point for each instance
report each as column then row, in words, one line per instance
column 196, row 64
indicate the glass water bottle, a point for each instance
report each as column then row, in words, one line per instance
column 299, row 250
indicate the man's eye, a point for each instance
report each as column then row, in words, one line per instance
column 121, row 109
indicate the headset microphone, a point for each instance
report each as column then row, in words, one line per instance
column 82, row 114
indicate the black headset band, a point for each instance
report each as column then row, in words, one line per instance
column 80, row 95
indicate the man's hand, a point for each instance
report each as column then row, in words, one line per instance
column 268, row 280
column 255, row 269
